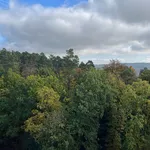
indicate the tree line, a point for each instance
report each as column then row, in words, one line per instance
column 60, row 103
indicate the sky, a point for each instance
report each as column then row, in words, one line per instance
column 97, row 30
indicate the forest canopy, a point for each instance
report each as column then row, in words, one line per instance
column 60, row 103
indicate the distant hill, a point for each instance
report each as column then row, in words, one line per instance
column 136, row 66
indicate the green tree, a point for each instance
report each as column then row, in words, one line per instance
column 71, row 60
column 87, row 108
column 134, row 97
column 15, row 108
column 145, row 75
column 86, row 66
column 112, row 122
column 48, row 104
column 127, row 74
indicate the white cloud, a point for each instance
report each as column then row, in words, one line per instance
column 147, row 60
column 96, row 27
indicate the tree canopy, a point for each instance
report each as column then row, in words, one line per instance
column 60, row 103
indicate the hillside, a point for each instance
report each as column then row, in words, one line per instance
column 136, row 66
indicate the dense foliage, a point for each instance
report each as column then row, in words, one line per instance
column 57, row 103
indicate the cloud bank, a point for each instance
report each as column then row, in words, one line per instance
column 118, row 28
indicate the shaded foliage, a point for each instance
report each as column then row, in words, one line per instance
column 145, row 74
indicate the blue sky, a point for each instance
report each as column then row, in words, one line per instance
column 4, row 4
column 52, row 3
column 46, row 3
column 2, row 39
